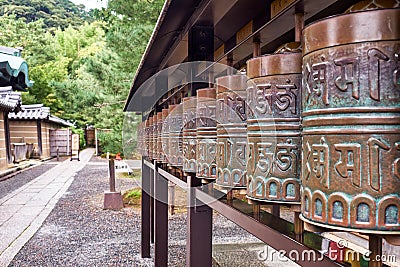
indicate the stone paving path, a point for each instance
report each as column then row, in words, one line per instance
column 23, row 211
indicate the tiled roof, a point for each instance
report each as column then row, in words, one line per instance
column 10, row 100
column 29, row 112
column 13, row 69
column 38, row 112
column 60, row 121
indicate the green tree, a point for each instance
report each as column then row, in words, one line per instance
column 54, row 13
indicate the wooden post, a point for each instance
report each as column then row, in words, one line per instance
column 299, row 25
column 276, row 210
column 256, row 47
column 111, row 168
column 375, row 246
column 229, row 197
column 256, row 211
column 298, row 227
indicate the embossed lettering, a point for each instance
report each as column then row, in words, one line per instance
column 251, row 161
column 186, row 149
column 240, row 108
column 374, row 71
column 201, row 146
column 221, row 153
column 202, row 117
column 264, row 99
column 286, row 99
column 316, row 77
column 211, row 151
column 240, row 153
column 349, row 163
column 349, row 75
column 211, row 111
column 225, row 152
column 192, row 148
column 265, row 157
column 320, row 161
column 286, row 157
column 374, row 161
column 307, row 153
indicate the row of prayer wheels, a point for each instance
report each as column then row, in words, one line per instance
column 315, row 124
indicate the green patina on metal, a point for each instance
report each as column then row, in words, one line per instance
column 13, row 69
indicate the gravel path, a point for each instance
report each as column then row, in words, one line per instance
column 18, row 180
column 78, row 232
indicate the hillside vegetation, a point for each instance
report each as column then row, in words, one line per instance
column 82, row 63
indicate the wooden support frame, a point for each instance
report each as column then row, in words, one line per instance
column 265, row 233
column 160, row 219
column 199, row 228
column 146, row 219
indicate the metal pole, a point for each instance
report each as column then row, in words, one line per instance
column 145, row 249
column 199, row 229
column 161, row 220
column 111, row 168
column 152, row 182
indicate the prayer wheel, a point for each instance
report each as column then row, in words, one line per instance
column 231, row 131
column 150, row 138
column 351, row 122
column 158, row 140
column 175, row 136
column 189, row 134
column 273, row 126
column 139, row 132
column 146, row 138
column 206, row 134
column 154, row 135
column 142, row 136
column 164, row 136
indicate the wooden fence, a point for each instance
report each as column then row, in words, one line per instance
column 61, row 139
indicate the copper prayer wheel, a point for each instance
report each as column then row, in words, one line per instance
column 206, row 134
column 273, row 128
column 351, row 122
column 159, row 156
column 231, row 131
column 164, row 136
column 148, row 138
column 141, row 136
column 151, row 137
column 189, row 134
column 174, row 155
column 155, row 134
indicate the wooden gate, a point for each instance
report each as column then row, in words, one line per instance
column 90, row 136
column 61, row 139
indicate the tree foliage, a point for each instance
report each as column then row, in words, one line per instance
column 54, row 13
column 82, row 69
